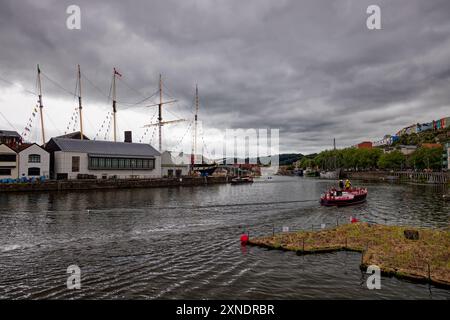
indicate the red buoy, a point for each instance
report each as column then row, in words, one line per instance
column 244, row 239
column 353, row 220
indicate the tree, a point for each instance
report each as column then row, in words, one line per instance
column 426, row 158
column 392, row 160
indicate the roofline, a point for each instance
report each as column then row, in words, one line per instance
column 32, row 144
column 56, row 139
column 4, row 144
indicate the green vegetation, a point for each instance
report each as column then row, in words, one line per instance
column 392, row 160
column 364, row 159
column 429, row 136
column 289, row 158
column 426, row 158
column 384, row 246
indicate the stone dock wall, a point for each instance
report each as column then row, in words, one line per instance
column 98, row 184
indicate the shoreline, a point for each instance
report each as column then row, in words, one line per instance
column 425, row 260
column 99, row 184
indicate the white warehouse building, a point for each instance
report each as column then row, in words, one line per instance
column 34, row 161
column 78, row 159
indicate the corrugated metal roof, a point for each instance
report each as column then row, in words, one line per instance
column 7, row 133
column 106, row 147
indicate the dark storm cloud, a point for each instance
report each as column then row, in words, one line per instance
column 310, row 68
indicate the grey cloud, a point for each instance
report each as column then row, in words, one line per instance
column 310, row 68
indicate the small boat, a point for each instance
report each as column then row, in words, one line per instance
column 343, row 197
column 239, row 180
column 329, row 175
column 311, row 173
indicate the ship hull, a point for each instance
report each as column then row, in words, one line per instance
column 349, row 199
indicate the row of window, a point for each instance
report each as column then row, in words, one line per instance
column 32, row 158
column 97, row 163
column 31, row 172
column 7, row 158
column 178, row 173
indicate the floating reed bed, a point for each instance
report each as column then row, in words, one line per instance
column 426, row 259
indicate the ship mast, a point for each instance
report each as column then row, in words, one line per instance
column 79, row 103
column 114, row 105
column 160, row 122
column 160, row 113
column 41, row 106
column 194, row 144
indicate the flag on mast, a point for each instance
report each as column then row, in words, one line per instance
column 117, row 72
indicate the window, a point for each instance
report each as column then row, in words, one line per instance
column 34, row 158
column 5, row 172
column 170, row 173
column 7, row 158
column 178, row 173
column 76, row 164
column 98, row 163
column 34, row 171
column 62, row 176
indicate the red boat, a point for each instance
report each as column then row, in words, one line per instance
column 345, row 197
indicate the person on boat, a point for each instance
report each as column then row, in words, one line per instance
column 341, row 184
column 348, row 185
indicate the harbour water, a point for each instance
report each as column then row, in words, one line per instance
column 183, row 242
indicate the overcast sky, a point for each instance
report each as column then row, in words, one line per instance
column 309, row 68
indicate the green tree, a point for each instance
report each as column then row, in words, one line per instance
column 392, row 160
column 426, row 158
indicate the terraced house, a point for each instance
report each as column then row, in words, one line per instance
column 34, row 161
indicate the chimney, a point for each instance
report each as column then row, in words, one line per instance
column 128, row 137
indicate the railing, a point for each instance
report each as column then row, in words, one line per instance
column 413, row 176
column 426, row 177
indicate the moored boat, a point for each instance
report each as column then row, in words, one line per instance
column 329, row 175
column 239, row 180
column 346, row 197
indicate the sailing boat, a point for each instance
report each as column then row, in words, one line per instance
column 332, row 175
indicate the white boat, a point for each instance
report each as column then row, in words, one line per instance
column 329, row 175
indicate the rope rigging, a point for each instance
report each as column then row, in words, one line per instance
column 72, row 122
column 148, row 128
column 26, row 133
column 106, row 126
column 182, row 137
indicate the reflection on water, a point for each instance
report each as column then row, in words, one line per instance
column 184, row 242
